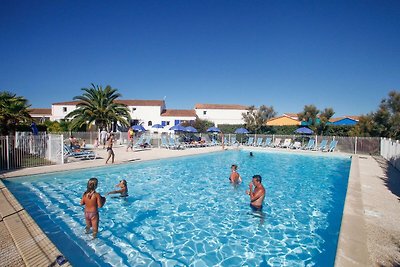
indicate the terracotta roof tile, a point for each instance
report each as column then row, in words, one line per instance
column 40, row 111
column 220, row 106
column 179, row 113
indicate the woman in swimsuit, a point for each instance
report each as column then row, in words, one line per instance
column 123, row 191
column 92, row 201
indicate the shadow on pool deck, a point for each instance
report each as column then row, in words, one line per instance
column 392, row 177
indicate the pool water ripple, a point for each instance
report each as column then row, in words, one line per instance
column 184, row 212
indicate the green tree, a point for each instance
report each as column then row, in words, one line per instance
column 97, row 105
column 256, row 119
column 309, row 115
column 324, row 118
column 13, row 111
column 364, row 126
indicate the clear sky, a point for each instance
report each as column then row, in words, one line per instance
column 339, row 54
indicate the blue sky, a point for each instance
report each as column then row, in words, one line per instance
column 339, row 54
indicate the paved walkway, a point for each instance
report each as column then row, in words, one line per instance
column 370, row 231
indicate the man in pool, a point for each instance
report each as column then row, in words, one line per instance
column 257, row 195
column 123, row 191
column 92, row 201
column 235, row 178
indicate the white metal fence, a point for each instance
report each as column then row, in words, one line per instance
column 390, row 150
column 26, row 150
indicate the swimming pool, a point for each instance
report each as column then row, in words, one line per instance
column 183, row 211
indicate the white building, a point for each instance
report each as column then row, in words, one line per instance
column 220, row 113
column 143, row 112
column 40, row 115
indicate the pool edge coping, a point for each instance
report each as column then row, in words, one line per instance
column 352, row 242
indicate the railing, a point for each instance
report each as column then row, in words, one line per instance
column 390, row 150
column 24, row 151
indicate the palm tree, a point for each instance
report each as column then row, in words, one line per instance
column 97, row 105
column 13, row 110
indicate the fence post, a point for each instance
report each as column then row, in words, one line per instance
column 49, row 146
column 355, row 146
column 62, row 148
column 8, row 153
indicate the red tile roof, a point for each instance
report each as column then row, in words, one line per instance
column 40, row 111
column 179, row 113
column 126, row 102
column 220, row 106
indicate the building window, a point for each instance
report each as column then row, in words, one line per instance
column 205, row 112
column 64, row 109
column 133, row 109
column 167, row 122
column 149, row 123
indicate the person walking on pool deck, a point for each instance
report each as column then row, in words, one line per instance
column 235, row 178
column 257, row 196
column 123, row 191
column 110, row 151
column 92, row 201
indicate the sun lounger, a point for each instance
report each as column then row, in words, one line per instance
column 173, row 144
column 286, row 143
column 267, row 142
column 139, row 142
column 259, row 141
column 332, row 146
column 276, row 142
column 322, row 145
column 296, row 145
column 233, row 140
column 85, row 154
column 310, row 145
column 250, row 141
column 164, row 142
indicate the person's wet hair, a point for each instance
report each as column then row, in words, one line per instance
column 91, row 185
column 234, row 166
column 257, row 177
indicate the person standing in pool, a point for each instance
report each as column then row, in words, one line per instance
column 235, row 178
column 257, row 195
column 110, row 151
column 123, row 191
column 92, row 201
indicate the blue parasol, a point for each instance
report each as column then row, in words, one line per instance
column 304, row 130
column 241, row 131
column 138, row 128
column 158, row 126
column 213, row 130
column 191, row 129
column 177, row 128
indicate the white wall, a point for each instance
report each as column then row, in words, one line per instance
column 222, row 116
column 145, row 114
column 390, row 150
column 58, row 113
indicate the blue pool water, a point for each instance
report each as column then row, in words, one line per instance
column 184, row 212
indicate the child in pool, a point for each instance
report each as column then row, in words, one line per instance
column 92, row 201
column 123, row 191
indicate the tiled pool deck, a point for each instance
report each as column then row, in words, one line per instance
column 368, row 235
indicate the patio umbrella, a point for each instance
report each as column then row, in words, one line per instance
column 158, row 126
column 138, row 128
column 191, row 129
column 177, row 128
column 304, row 130
column 241, row 131
column 213, row 130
